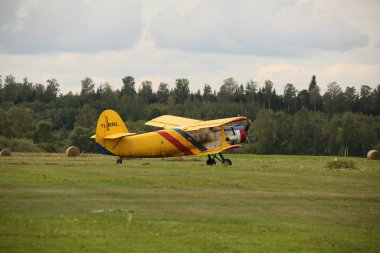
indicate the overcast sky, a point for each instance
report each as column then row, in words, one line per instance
column 206, row 41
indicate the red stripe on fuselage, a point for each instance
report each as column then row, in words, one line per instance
column 175, row 142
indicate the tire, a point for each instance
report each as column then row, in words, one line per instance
column 227, row 162
column 210, row 161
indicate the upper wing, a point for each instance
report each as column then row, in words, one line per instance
column 212, row 123
column 169, row 121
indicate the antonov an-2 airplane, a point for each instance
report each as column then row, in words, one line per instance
column 179, row 136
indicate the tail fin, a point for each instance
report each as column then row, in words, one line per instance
column 110, row 127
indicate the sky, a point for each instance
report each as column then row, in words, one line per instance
column 205, row 41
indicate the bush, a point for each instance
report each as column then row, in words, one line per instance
column 19, row 145
column 377, row 147
column 341, row 164
column 80, row 137
column 50, row 147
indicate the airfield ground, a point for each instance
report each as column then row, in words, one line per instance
column 51, row 203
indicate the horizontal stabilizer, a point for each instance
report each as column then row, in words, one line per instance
column 117, row 135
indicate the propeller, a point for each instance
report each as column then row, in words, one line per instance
column 247, row 128
column 248, row 125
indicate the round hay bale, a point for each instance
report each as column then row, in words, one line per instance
column 373, row 155
column 5, row 152
column 72, row 151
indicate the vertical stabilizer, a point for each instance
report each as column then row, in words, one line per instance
column 109, row 125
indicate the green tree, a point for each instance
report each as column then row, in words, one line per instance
column 88, row 87
column 51, row 91
column 315, row 97
column 63, row 118
column 228, row 89
column 376, row 100
column 128, row 86
column 172, row 108
column 80, row 137
column 332, row 131
column 163, row 93
column 303, row 99
column 319, row 135
column 5, row 129
column 208, row 94
column 9, row 89
column 265, row 137
column 39, row 90
column 108, row 98
column 290, row 93
column 349, row 134
column 313, row 83
column 197, row 96
column 333, row 100
column 367, row 134
column 365, row 99
column 88, row 90
column 268, row 92
column 22, row 121
column 282, row 129
column 25, row 92
column 302, row 132
column 1, row 89
column 43, row 132
column 251, row 90
column 146, row 92
column 239, row 95
column 350, row 97
column 181, row 91
column 86, row 117
column 132, row 108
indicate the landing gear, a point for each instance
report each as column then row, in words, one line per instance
column 119, row 160
column 227, row 162
column 211, row 160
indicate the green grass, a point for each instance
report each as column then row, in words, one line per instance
column 260, row 204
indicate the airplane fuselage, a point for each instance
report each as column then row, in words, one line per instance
column 164, row 143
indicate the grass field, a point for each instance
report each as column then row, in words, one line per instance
column 260, row 204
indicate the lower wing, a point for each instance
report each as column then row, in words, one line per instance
column 217, row 150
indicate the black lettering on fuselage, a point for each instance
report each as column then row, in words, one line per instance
column 111, row 124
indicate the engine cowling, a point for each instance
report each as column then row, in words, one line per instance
column 235, row 134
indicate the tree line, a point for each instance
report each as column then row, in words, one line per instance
column 37, row 117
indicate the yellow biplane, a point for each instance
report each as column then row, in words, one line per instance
column 179, row 136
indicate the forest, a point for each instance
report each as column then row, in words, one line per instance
column 36, row 117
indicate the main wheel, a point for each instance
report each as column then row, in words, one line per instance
column 227, row 162
column 210, row 161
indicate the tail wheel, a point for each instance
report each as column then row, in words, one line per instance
column 227, row 162
column 119, row 160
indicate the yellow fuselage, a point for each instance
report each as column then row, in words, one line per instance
column 163, row 143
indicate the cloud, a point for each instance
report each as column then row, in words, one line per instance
column 43, row 26
column 263, row 28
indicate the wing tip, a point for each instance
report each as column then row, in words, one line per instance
column 239, row 118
